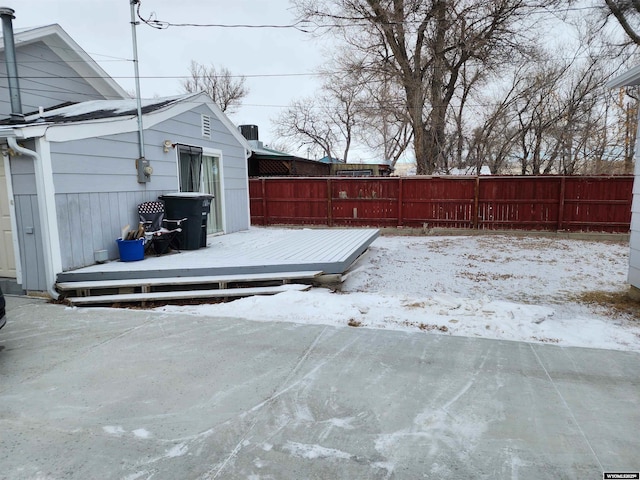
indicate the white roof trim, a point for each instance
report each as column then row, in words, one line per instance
column 628, row 78
column 114, row 125
column 76, row 58
column 23, row 132
column 63, row 132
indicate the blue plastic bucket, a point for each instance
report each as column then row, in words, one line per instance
column 131, row 250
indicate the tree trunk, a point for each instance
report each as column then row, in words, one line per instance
column 433, row 139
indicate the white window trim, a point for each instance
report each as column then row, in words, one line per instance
column 214, row 152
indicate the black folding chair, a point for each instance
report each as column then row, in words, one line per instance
column 159, row 232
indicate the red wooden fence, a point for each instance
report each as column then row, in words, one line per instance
column 573, row 203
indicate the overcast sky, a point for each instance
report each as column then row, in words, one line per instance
column 102, row 28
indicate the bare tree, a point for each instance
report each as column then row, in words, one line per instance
column 341, row 104
column 493, row 141
column 553, row 116
column 561, row 118
column 624, row 110
column 323, row 124
column 459, row 142
column 302, row 123
column 387, row 132
column 627, row 14
column 425, row 44
column 381, row 121
column 225, row 89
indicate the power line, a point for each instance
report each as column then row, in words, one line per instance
column 153, row 22
column 74, row 79
column 308, row 26
column 260, row 75
column 57, row 89
column 26, row 62
column 173, row 77
column 76, row 51
column 368, row 106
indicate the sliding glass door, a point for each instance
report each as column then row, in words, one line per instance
column 190, row 165
column 211, row 184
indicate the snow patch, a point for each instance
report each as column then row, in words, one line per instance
column 114, row 430
column 344, row 423
column 136, row 476
column 494, row 286
column 141, row 433
column 177, row 451
column 311, row 452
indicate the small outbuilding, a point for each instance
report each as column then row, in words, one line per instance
column 75, row 176
column 267, row 162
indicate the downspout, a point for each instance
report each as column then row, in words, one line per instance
column 44, row 205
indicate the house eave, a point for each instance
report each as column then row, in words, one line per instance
column 627, row 79
column 79, row 130
column 27, row 131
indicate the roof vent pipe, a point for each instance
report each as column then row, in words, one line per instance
column 7, row 16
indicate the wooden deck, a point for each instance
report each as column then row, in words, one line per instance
column 257, row 251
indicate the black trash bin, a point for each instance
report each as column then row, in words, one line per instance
column 194, row 207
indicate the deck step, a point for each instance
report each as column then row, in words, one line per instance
column 182, row 295
column 147, row 284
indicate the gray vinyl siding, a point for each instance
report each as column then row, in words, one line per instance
column 97, row 192
column 30, row 241
column 236, row 208
column 89, row 222
column 28, row 221
column 23, row 174
column 108, row 164
column 45, row 80
column 186, row 128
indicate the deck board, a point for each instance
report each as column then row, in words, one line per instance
column 191, row 294
column 258, row 251
column 155, row 282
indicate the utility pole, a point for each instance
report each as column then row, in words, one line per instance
column 142, row 165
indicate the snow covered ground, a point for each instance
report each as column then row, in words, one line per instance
column 493, row 286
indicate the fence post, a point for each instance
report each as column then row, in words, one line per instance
column 561, row 204
column 264, row 203
column 476, row 204
column 400, row 201
column 329, row 203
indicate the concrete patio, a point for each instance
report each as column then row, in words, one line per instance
column 127, row 394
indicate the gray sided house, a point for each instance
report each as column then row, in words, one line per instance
column 632, row 78
column 53, row 69
column 74, row 181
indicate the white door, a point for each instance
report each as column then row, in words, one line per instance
column 7, row 257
